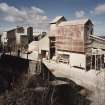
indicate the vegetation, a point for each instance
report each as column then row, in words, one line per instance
column 42, row 89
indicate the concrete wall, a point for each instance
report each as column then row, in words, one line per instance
column 44, row 44
column 33, row 46
column 18, row 38
column 78, row 60
column 21, row 31
column 24, row 41
column 11, row 36
column 53, row 29
column 75, row 59
column 4, row 37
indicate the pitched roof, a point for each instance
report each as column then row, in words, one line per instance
column 57, row 19
column 102, row 37
column 74, row 22
column 97, row 37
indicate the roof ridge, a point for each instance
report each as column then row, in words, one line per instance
column 74, row 22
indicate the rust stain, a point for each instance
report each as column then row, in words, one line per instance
column 70, row 38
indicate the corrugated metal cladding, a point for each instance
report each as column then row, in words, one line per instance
column 70, row 38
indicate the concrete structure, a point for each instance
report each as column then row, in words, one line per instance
column 74, row 43
column 4, row 38
column 52, row 46
column 19, row 37
column 95, row 58
column 0, row 43
column 3, row 41
column 33, row 46
column 38, row 35
column 44, row 46
column 0, row 38
column 41, row 47
column 53, row 29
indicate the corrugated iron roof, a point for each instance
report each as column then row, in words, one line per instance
column 56, row 19
column 102, row 37
column 97, row 37
column 74, row 22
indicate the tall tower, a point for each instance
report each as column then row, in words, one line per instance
column 30, row 34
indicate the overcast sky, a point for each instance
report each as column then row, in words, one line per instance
column 38, row 13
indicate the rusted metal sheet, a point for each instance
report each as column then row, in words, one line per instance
column 70, row 38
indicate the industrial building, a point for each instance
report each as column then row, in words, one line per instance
column 19, row 38
column 74, row 42
column 40, row 47
column 3, row 41
column 0, row 38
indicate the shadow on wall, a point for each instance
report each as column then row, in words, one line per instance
column 11, row 68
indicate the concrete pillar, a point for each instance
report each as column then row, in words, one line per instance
column 100, row 63
column 91, row 62
column 95, row 62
